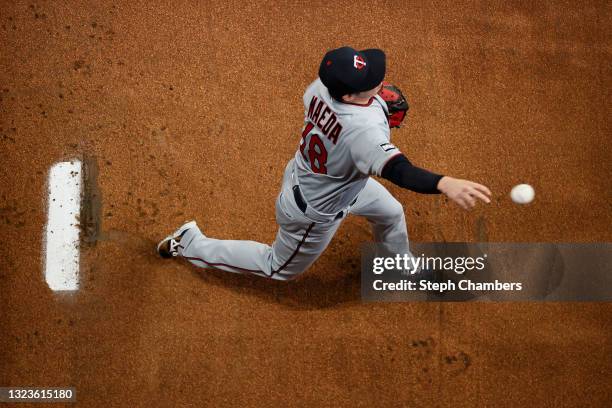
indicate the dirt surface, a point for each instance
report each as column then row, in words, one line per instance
column 186, row 110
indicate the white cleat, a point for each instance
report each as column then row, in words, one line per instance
column 169, row 246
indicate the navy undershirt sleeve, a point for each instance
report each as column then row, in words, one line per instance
column 400, row 171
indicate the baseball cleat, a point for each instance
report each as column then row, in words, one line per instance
column 169, row 246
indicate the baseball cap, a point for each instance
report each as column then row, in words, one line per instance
column 345, row 70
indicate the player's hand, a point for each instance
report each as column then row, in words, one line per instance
column 464, row 192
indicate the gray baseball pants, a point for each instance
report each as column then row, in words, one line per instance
column 301, row 237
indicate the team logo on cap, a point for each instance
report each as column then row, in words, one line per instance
column 358, row 62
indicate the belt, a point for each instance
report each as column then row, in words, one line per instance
column 299, row 200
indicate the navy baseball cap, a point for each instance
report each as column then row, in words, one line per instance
column 346, row 70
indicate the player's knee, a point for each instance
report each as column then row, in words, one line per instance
column 284, row 272
column 396, row 210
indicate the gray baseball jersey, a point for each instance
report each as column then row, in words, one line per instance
column 342, row 145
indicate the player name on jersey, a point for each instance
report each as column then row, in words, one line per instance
column 325, row 119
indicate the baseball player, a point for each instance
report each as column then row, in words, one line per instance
column 345, row 141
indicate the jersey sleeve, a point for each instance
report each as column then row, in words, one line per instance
column 371, row 150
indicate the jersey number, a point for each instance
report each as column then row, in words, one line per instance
column 317, row 155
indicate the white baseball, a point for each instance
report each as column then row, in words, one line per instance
column 522, row 194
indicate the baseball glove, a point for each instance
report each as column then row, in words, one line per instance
column 396, row 104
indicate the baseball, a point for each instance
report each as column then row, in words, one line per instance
column 522, row 194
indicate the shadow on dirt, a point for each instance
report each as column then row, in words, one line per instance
column 310, row 291
column 317, row 288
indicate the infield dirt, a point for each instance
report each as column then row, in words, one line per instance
column 188, row 110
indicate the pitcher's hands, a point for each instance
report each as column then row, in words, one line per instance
column 464, row 192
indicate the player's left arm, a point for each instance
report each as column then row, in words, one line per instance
column 400, row 171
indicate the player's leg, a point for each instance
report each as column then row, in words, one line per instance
column 385, row 214
column 229, row 255
column 296, row 247
column 299, row 242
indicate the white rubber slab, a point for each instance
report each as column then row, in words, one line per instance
column 62, row 233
